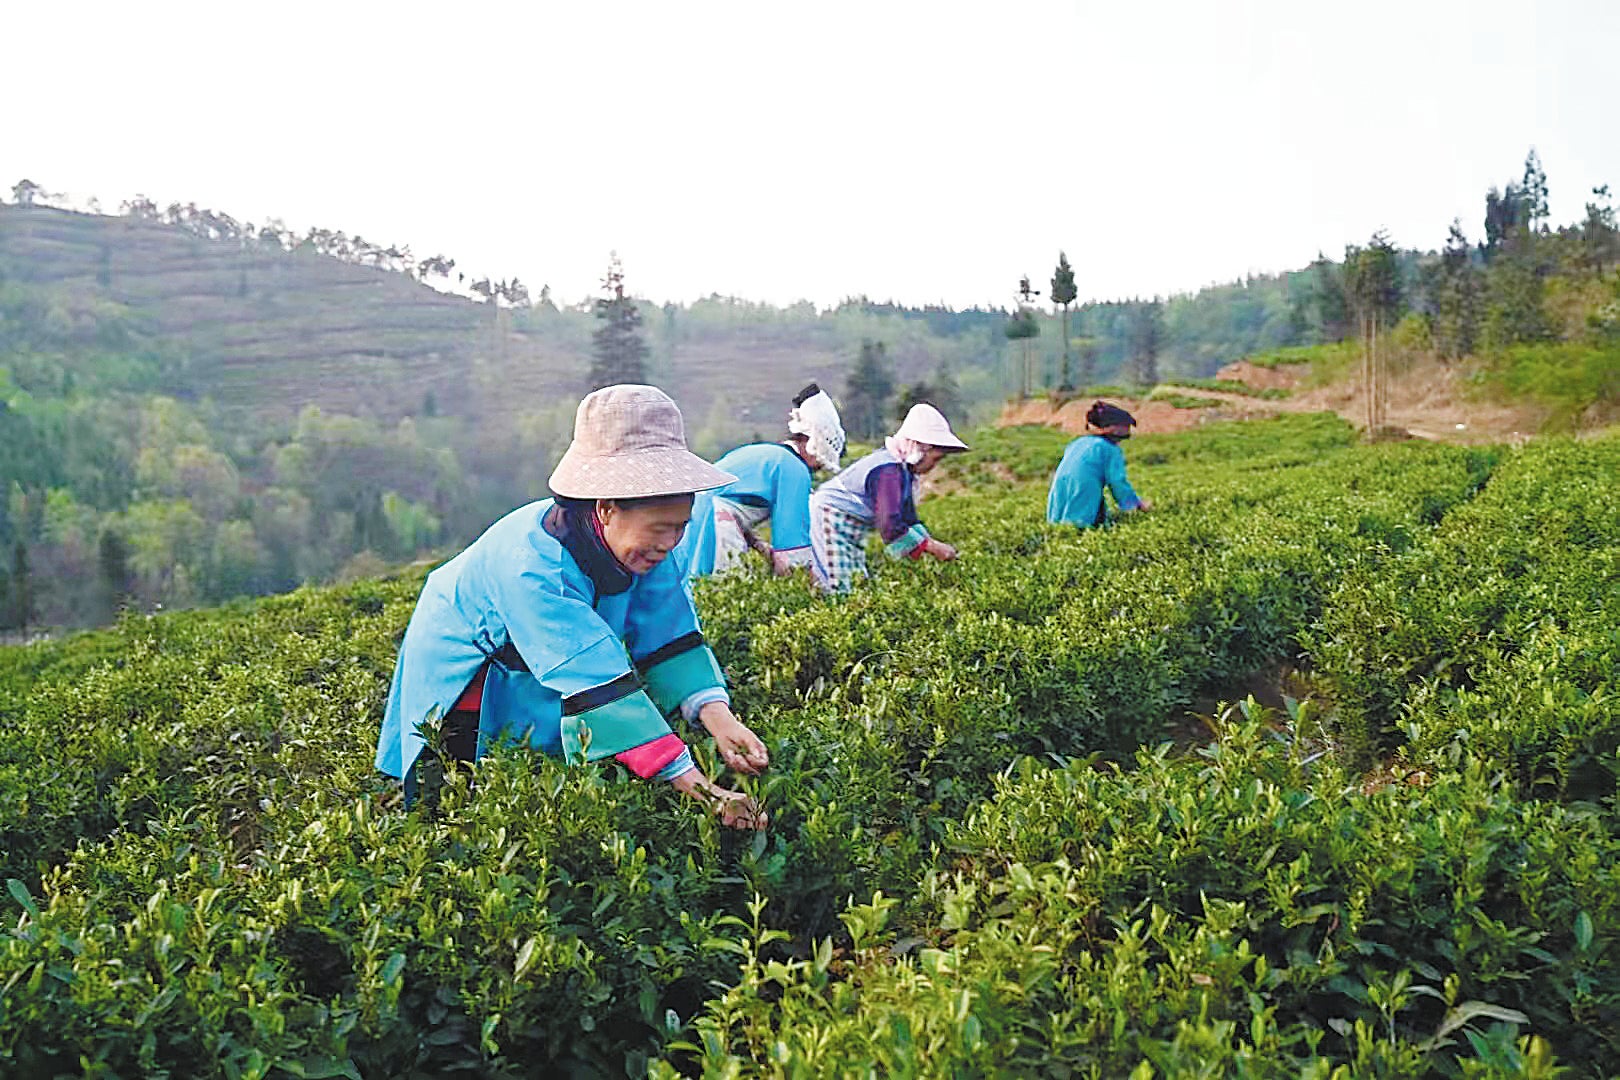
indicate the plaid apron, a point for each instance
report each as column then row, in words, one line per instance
column 838, row 542
column 730, row 519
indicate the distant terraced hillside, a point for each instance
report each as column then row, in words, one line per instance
column 273, row 330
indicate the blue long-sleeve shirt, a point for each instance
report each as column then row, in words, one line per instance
column 769, row 476
column 1090, row 464
column 574, row 654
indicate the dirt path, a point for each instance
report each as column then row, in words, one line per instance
column 1287, row 404
column 1430, row 401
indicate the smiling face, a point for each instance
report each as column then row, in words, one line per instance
column 642, row 532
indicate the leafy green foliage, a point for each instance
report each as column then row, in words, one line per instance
column 1567, row 377
column 995, row 846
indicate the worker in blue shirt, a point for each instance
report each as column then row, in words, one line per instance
column 1091, row 463
column 773, row 486
column 567, row 627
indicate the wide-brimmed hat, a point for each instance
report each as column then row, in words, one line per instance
column 926, row 424
column 630, row 443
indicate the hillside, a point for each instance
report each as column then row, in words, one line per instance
column 189, row 417
column 195, row 409
column 273, row 330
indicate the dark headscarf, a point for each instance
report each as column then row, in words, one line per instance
column 1103, row 414
column 574, row 524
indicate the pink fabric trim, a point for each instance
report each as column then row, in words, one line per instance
column 645, row 760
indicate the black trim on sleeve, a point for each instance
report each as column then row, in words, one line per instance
column 684, row 643
column 509, row 658
column 605, row 694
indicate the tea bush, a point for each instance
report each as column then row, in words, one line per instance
column 1241, row 911
column 984, row 854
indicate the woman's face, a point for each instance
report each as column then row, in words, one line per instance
column 642, row 536
column 930, row 458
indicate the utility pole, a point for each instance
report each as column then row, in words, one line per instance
column 1027, row 333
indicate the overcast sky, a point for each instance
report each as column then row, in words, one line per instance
column 918, row 151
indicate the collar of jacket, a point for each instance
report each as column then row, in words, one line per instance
column 575, row 527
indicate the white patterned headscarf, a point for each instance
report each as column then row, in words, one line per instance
column 816, row 418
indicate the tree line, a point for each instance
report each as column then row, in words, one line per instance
column 118, row 487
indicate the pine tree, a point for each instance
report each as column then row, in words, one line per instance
column 867, row 393
column 1372, row 284
column 1456, row 298
column 618, row 353
column 1063, row 294
column 1327, row 297
column 1024, row 328
column 1504, row 221
column 1533, row 190
column 1147, row 339
column 1600, row 239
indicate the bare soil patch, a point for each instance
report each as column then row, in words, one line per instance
column 1428, row 400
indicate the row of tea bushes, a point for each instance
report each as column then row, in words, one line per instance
column 1500, row 630
column 1245, row 911
column 210, row 880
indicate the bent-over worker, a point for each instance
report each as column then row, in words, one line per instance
column 878, row 493
column 566, row 626
column 773, row 482
column 1090, row 464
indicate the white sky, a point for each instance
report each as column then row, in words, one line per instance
column 924, row 152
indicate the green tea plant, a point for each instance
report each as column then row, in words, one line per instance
column 987, row 852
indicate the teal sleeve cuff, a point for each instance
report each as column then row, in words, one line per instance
column 678, row 676
column 620, row 725
column 907, row 542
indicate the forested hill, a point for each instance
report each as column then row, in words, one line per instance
column 194, row 408
column 273, row 322
column 191, row 409
column 251, row 324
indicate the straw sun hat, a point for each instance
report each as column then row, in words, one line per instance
column 630, row 443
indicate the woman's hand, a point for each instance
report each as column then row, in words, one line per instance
column 940, row 550
column 739, row 748
column 736, row 810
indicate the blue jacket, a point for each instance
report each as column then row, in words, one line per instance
column 580, row 654
column 1089, row 464
column 768, row 475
